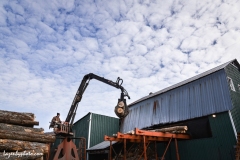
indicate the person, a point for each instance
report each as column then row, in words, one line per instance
column 56, row 120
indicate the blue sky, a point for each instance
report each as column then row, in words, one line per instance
column 46, row 47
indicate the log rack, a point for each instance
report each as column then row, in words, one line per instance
column 144, row 138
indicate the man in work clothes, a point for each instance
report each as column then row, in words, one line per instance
column 56, row 120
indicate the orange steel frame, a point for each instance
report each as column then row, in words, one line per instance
column 146, row 137
column 67, row 147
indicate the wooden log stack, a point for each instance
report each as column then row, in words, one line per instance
column 19, row 140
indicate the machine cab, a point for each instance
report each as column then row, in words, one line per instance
column 61, row 128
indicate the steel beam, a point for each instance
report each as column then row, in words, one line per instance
column 177, row 154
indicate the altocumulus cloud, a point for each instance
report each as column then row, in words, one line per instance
column 48, row 46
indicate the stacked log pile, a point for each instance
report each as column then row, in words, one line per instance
column 19, row 140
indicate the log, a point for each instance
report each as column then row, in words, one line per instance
column 11, row 127
column 27, row 123
column 130, row 132
column 25, row 155
column 17, row 115
column 26, row 136
column 10, row 145
column 172, row 129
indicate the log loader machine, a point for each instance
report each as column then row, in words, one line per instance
column 67, row 149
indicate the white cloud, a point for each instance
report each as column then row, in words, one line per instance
column 48, row 46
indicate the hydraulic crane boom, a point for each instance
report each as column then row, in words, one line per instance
column 67, row 149
column 121, row 109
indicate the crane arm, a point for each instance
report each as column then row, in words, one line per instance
column 121, row 107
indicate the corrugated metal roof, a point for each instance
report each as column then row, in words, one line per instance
column 102, row 145
column 198, row 96
column 185, row 81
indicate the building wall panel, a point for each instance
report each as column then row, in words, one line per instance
column 81, row 129
column 234, row 74
column 102, row 125
column 219, row 146
column 201, row 97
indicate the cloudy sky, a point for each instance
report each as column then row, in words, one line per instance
column 46, row 47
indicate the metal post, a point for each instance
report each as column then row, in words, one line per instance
column 110, row 152
column 143, row 152
column 89, row 134
column 177, row 154
column 125, row 150
column 144, row 148
column 166, row 149
column 156, row 156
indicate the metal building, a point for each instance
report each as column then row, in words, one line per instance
column 209, row 104
column 93, row 127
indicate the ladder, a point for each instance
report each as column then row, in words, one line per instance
column 238, row 147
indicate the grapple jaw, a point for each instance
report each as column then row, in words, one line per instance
column 121, row 110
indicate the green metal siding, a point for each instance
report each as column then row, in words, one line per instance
column 56, row 143
column 102, row 125
column 234, row 74
column 218, row 147
column 81, row 128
